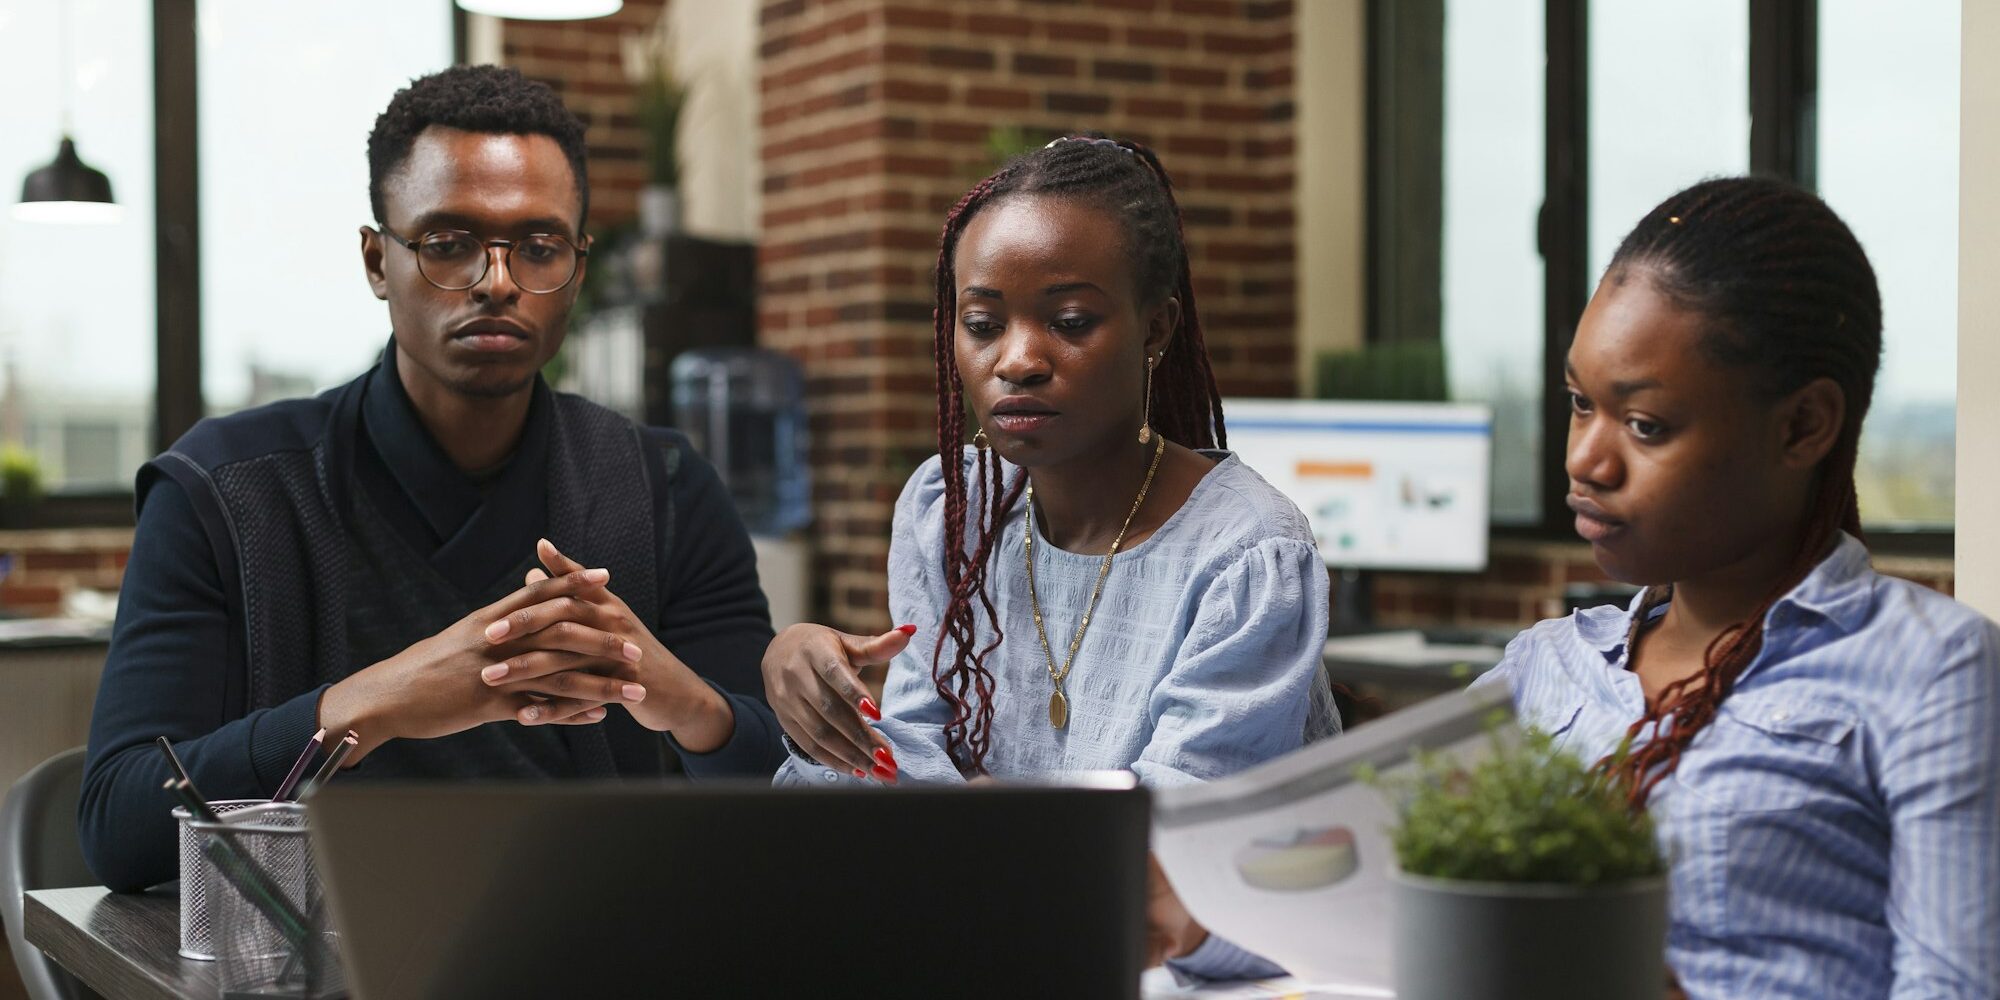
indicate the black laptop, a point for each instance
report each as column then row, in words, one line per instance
column 723, row 890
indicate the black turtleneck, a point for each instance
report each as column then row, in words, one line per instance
column 178, row 650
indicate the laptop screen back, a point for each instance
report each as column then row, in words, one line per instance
column 722, row 890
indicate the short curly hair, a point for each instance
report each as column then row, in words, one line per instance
column 472, row 99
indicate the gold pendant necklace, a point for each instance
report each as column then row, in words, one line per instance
column 1058, row 704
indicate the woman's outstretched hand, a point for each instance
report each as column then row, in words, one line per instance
column 810, row 681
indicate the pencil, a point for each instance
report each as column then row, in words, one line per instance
column 299, row 767
column 332, row 766
column 174, row 762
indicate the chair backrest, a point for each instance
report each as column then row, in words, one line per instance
column 39, row 850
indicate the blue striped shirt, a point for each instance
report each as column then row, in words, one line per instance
column 1835, row 831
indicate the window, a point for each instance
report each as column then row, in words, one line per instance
column 1491, row 272
column 1888, row 95
column 286, row 309
column 1590, row 113
column 1669, row 86
column 76, row 299
column 224, row 126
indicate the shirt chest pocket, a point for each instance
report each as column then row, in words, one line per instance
column 1751, row 804
column 1765, row 757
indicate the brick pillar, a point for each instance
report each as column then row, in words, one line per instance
column 584, row 61
column 875, row 118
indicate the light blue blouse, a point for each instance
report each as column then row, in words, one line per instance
column 1835, row 831
column 1202, row 658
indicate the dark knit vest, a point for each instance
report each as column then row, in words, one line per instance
column 328, row 587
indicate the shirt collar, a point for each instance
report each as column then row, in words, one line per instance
column 1605, row 628
column 445, row 497
column 1838, row 590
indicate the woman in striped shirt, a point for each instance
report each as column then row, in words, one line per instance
column 1818, row 742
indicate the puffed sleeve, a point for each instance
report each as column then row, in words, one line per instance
column 1243, row 681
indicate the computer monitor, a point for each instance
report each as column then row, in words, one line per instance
column 1385, row 485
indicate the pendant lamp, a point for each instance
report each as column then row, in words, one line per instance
column 543, row 10
column 67, row 189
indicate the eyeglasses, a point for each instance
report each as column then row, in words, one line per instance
column 455, row 260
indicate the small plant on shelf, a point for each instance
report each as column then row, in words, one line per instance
column 20, row 476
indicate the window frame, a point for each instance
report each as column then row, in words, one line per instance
column 1783, row 90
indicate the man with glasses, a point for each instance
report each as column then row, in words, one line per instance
column 477, row 576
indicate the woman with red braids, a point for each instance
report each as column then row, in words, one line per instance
column 1093, row 584
column 1817, row 742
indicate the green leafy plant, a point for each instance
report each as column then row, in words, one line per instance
column 20, row 475
column 658, row 95
column 1399, row 370
column 1528, row 812
column 1004, row 142
column 657, row 103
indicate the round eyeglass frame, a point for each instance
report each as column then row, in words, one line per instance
column 506, row 248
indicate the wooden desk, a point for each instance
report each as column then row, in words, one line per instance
column 119, row 945
column 126, row 947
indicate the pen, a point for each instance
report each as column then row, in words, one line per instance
column 299, row 767
column 174, row 763
column 332, row 766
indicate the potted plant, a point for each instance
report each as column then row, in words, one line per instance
column 657, row 100
column 20, row 482
column 1526, row 874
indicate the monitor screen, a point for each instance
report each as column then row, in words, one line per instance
column 1385, row 485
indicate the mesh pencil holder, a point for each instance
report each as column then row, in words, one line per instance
column 197, row 912
column 271, row 935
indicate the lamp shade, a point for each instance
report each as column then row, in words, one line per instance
column 66, row 178
column 543, row 10
column 67, row 190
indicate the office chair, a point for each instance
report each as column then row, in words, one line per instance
column 39, row 850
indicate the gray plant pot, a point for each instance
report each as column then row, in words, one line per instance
column 659, row 211
column 1502, row 941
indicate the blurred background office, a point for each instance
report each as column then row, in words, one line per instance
column 1396, row 206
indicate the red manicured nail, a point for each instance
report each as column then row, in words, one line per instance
column 907, row 629
column 885, row 774
column 859, row 773
column 884, row 758
column 868, row 709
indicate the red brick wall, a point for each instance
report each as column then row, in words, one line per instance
column 584, row 62
column 875, row 117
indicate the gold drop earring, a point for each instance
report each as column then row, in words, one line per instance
column 1146, row 422
column 979, row 439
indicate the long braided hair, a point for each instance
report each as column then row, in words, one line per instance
column 1125, row 180
column 1790, row 298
